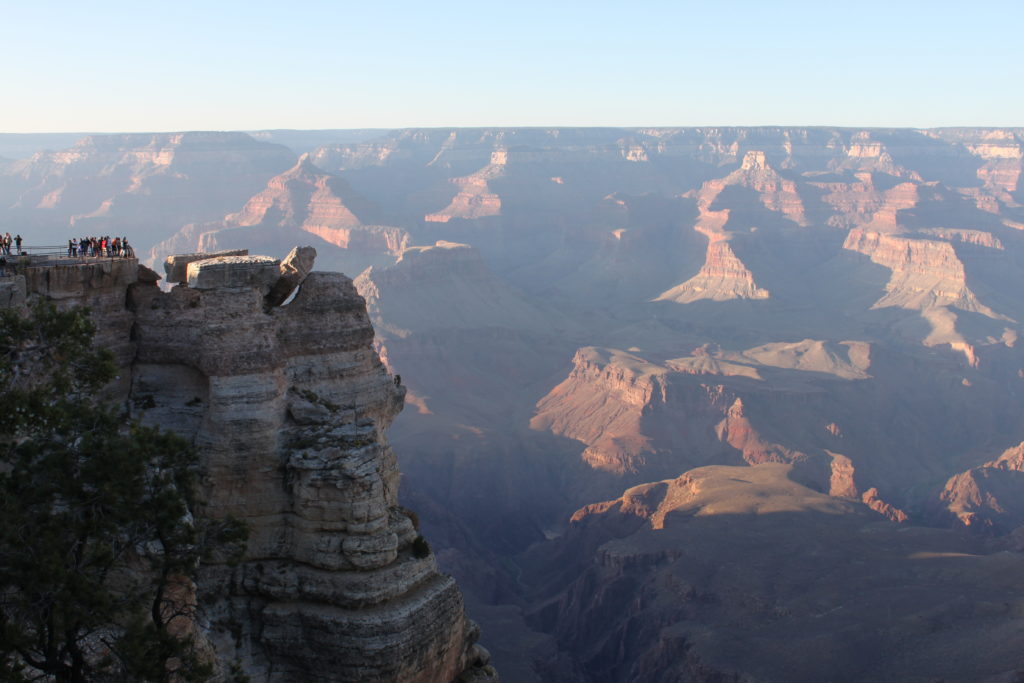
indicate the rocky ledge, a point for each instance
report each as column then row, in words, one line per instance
column 269, row 369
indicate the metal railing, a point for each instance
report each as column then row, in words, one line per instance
column 50, row 254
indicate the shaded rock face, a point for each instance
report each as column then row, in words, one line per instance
column 288, row 407
column 987, row 498
column 740, row 574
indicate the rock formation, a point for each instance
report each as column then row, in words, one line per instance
column 723, row 276
column 833, row 310
column 985, row 498
column 474, row 200
column 733, row 574
column 303, row 201
column 142, row 186
column 925, row 273
column 287, row 406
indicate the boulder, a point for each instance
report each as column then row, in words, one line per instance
column 176, row 265
column 147, row 276
column 294, row 269
column 259, row 272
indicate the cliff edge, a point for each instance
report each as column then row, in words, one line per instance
column 287, row 405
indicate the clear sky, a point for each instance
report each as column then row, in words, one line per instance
column 218, row 65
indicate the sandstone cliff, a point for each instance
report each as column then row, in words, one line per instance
column 925, row 273
column 288, row 407
column 985, row 498
column 475, row 199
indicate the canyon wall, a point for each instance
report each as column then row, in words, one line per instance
column 287, row 406
column 817, row 327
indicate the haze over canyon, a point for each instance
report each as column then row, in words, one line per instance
column 710, row 404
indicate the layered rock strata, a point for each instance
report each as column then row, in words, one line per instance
column 925, row 273
column 287, row 406
column 475, row 198
column 724, row 276
column 986, row 497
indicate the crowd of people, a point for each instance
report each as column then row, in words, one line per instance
column 5, row 244
column 100, row 246
column 117, row 247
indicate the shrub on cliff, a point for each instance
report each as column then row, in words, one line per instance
column 97, row 541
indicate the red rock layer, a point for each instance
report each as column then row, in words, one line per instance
column 722, row 277
column 925, row 273
column 987, row 497
column 475, row 199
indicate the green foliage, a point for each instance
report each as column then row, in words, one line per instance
column 97, row 541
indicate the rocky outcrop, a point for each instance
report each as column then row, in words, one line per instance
column 12, row 291
column 601, row 403
column 256, row 272
column 287, row 406
column 1002, row 153
column 986, row 498
column 475, row 198
column 716, row 575
column 722, row 277
column 978, row 238
column 176, row 265
column 100, row 285
column 308, row 197
column 925, row 273
column 642, row 419
column 293, row 270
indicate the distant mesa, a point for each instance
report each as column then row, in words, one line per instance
column 303, row 200
column 475, row 199
column 986, row 498
column 722, row 277
column 925, row 273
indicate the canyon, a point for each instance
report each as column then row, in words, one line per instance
column 681, row 403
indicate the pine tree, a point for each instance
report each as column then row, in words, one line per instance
column 98, row 545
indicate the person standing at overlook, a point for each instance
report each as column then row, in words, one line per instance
column 17, row 243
